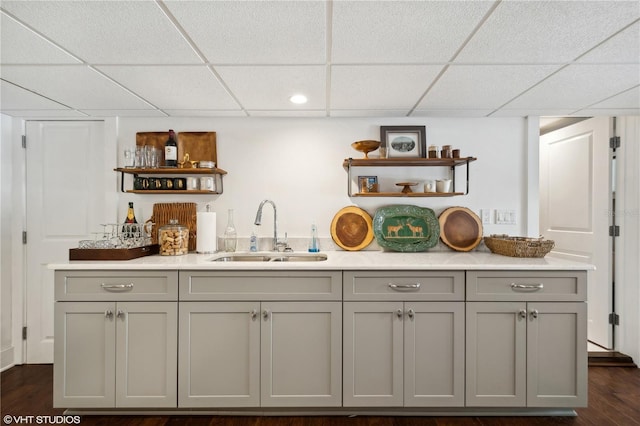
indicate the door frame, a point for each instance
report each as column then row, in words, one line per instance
column 110, row 154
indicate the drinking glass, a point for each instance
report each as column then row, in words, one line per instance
column 151, row 155
column 141, row 161
column 129, row 157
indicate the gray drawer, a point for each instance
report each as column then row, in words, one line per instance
column 116, row 285
column 404, row 285
column 559, row 286
column 260, row 285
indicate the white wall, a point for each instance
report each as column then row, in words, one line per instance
column 6, row 311
column 297, row 163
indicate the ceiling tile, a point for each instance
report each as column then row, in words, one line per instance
column 287, row 113
column 22, row 46
column 578, row 86
column 482, row 86
column 451, row 112
column 204, row 113
column 368, row 112
column 402, row 31
column 124, row 113
column 627, row 99
column 622, row 48
column 600, row 112
column 78, row 87
column 546, row 31
column 532, row 112
column 380, row 86
column 16, row 98
column 175, row 87
column 270, row 87
column 126, row 32
column 255, row 32
column 44, row 114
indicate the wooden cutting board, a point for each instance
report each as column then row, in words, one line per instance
column 352, row 228
column 460, row 228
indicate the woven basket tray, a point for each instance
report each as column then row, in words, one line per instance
column 518, row 246
column 185, row 213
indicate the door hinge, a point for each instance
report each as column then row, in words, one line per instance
column 24, row 237
column 614, row 231
column 24, row 333
column 614, row 318
column 614, row 142
column 24, row 141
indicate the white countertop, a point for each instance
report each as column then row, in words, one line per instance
column 340, row 260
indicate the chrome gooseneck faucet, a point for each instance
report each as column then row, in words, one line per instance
column 258, row 221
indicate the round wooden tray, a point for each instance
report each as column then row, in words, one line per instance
column 460, row 228
column 352, row 228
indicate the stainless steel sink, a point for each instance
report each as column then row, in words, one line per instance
column 271, row 257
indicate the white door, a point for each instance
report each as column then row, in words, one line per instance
column 575, row 205
column 64, row 204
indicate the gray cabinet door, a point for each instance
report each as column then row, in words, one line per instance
column 146, row 354
column 434, row 354
column 373, row 354
column 84, row 355
column 301, row 351
column 496, row 354
column 557, row 355
column 219, row 360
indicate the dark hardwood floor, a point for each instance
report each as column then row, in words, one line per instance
column 614, row 399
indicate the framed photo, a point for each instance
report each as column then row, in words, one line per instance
column 404, row 141
column 367, row 183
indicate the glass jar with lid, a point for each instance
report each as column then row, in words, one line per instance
column 173, row 239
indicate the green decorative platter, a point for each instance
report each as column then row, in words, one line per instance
column 406, row 228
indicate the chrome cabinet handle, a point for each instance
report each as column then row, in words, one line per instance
column 120, row 313
column 117, row 287
column 522, row 314
column 265, row 314
column 527, row 287
column 404, row 287
column 108, row 314
column 411, row 313
column 534, row 314
column 254, row 314
column 399, row 313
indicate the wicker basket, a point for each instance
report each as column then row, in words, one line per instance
column 518, row 246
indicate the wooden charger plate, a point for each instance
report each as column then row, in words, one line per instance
column 460, row 228
column 352, row 228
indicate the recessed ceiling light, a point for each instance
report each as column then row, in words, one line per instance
column 298, row 99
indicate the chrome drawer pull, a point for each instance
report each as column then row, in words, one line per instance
column 404, row 287
column 117, row 287
column 527, row 287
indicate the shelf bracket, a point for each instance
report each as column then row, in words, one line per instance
column 349, row 177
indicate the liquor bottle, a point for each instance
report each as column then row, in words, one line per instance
column 230, row 235
column 129, row 229
column 171, row 150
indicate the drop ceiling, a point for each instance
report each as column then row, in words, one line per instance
column 72, row 59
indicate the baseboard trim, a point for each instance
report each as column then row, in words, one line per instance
column 7, row 358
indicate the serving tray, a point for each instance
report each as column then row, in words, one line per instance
column 460, row 228
column 406, row 228
column 351, row 228
column 113, row 254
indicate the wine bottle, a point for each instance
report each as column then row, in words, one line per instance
column 129, row 230
column 230, row 235
column 171, row 151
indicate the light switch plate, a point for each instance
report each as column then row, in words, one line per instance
column 486, row 216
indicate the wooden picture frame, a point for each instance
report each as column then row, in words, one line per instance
column 367, row 184
column 404, row 141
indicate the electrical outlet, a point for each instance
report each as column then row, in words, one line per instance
column 506, row 217
column 486, row 216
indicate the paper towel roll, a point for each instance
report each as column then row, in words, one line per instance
column 206, row 240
